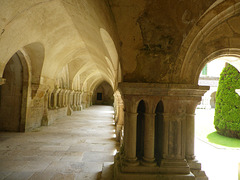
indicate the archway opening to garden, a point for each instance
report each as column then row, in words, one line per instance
column 221, row 75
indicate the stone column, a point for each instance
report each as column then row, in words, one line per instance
column 190, row 129
column 91, row 98
column 49, row 99
column 70, row 101
column 55, row 92
column 65, row 97
column 80, row 99
column 130, row 138
column 84, row 99
column 149, row 134
column 174, row 135
column 60, row 100
column 120, row 120
column 130, row 132
column 74, row 106
column 194, row 165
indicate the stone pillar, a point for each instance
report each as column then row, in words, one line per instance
column 194, row 165
column 120, row 120
column 78, row 101
column 65, row 97
column 84, row 99
column 130, row 138
column 149, row 134
column 190, row 129
column 60, row 100
column 174, row 135
column 90, row 99
column 50, row 99
column 74, row 101
column 130, row 132
column 69, row 109
column 55, row 93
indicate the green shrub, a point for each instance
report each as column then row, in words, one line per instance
column 227, row 111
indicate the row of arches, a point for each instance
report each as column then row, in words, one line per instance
column 77, row 100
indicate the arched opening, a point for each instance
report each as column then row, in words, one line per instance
column 205, row 130
column 103, row 95
column 140, row 129
column 13, row 94
column 159, row 131
column 58, row 100
column 52, row 100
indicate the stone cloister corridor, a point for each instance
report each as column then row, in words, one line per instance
column 73, row 147
column 143, row 57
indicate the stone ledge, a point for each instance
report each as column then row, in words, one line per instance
column 156, row 89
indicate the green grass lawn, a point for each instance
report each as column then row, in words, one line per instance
column 216, row 138
column 205, row 130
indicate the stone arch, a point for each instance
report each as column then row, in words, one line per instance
column 106, row 92
column 35, row 54
column 14, row 94
column 140, row 129
column 230, row 55
column 158, row 145
column 110, row 46
column 212, row 34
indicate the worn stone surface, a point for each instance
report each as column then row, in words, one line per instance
column 156, row 49
column 73, row 147
column 163, row 27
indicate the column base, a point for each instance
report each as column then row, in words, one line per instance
column 69, row 111
column 131, row 162
column 195, row 168
column 148, row 162
column 74, row 108
column 120, row 174
column 175, row 166
column 166, row 166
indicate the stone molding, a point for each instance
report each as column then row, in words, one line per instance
column 155, row 89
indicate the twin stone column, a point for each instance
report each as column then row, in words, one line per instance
column 176, row 136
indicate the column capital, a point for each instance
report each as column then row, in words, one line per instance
column 131, row 104
column 2, row 81
column 149, row 114
column 133, row 116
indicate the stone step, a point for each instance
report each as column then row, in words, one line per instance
column 199, row 174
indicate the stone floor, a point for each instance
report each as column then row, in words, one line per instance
column 73, row 147
column 78, row 146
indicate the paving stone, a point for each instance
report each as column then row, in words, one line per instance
column 19, row 176
column 73, row 147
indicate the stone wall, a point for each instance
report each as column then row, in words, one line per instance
column 106, row 94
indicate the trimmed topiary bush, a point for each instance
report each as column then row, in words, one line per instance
column 227, row 111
